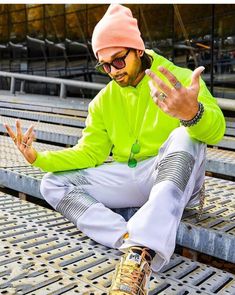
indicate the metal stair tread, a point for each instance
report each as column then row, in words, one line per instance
column 32, row 246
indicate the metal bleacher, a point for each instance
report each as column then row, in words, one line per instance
column 47, row 58
column 43, row 253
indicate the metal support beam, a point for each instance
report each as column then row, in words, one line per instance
column 22, row 85
column 12, row 89
column 62, row 90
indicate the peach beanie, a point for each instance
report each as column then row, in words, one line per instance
column 117, row 28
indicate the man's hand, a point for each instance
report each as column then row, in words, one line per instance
column 177, row 101
column 23, row 141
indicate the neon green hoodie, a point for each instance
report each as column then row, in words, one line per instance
column 118, row 116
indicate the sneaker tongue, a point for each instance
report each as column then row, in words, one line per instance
column 133, row 258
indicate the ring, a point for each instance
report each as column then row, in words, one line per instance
column 25, row 144
column 177, row 85
column 162, row 96
column 14, row 139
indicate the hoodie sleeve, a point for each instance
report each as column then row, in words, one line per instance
column 211, row 127
column 91, row 150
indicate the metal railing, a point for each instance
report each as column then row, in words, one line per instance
column 224, row 103
column 49, row 80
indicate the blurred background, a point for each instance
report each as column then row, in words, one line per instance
column 54, row 40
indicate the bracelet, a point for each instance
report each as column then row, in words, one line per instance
column 196, row 118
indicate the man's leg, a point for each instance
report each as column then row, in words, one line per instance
column 179, row 173
column 85, row 196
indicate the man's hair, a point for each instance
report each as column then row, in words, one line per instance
column 146, row 61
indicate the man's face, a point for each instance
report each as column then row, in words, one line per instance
column 131, row 74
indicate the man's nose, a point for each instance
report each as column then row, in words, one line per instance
column 113, row 70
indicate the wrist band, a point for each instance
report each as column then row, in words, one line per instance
column 196, row 118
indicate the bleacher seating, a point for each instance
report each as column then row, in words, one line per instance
column 50, row 241
column 46, row 58
column 43, row 253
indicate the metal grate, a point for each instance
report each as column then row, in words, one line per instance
column 64, row 110
column 220, row 161
column 47, row 132
column 214, row 233
column 43, row 253
column 52, row 104
column 44, row 117
column 227, row 142
column 11, row 156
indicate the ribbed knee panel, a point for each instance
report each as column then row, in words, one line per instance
column 74, row 204
column 176, row 167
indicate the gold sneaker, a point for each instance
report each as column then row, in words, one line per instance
column 132, row 274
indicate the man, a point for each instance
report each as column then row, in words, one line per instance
column 158, row 145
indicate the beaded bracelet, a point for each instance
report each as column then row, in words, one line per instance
column 196, row 118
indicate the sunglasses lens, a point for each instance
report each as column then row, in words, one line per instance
column 132, row 163
column 106, row 68
column 119, row 63
column 100, row 68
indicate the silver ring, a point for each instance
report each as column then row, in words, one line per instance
column 177, row 85
column 162, row 96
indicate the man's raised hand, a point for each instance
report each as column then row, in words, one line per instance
column 23, row 141
column 177, row 101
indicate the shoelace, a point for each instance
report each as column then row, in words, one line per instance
column 202, row 197
column 132, row 278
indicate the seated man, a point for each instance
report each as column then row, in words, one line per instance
column 158, row 141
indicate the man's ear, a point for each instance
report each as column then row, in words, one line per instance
column 140, row 52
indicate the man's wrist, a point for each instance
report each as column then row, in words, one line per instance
column 196, row 118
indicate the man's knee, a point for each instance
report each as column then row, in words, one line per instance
column 180, row 140
column 178, row 157
column 47, row 184
column 181, row 135
column 53, row 188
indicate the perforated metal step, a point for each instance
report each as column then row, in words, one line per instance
column 215, row 227
column 218, row 161
column 64, row 110
column 44, row 117
column 48, row 132
column 37, row 102
column 227, row 142
column 43, row 253
column 214, row 233
column 11, row 156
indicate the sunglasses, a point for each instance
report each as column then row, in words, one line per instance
column 135, row 149
column 118, row 63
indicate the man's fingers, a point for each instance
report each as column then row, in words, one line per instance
column 31, row 138
column 170, row 77
column 153, row 89
column 196, row 76
column 10, row 132
column 19, row 139
column 166, row 89
column 28, row 133
column 18, row 132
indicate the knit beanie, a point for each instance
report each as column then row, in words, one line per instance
column 117, row 28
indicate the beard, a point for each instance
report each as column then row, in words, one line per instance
column 131, row 77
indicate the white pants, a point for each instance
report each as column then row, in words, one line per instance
column 161, row 186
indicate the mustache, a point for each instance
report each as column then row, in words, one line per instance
column 118, row 75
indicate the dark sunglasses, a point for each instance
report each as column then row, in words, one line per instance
column 118, row 63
